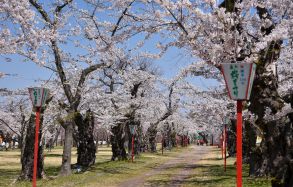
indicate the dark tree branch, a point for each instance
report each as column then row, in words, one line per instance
column 50, row 68
column 82, row 79
column 59, row 8
column 134, row 90
column 58, row 62
column 7, row 125
column 104, row 82
column 61, row 73
column 41, row 11
column 170, row 109
column 179, row 23
column 120, row 18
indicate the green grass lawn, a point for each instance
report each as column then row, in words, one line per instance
column 103, row 173
column 207, row 172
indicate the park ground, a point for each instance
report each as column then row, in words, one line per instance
column 190, row 166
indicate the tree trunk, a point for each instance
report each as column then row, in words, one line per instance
column 173, row 139
column 117, row 140
column 27, row 155
column 86, row 148
column 231, row 140
column 56, row 136
column 274, row 156
column 249, row 142
column 168, row 137
column 23, row 130
column 249, row 146
column 138, row 140
column 22, row 135
column 66, row 157
column 152, row 134
column 137, row 137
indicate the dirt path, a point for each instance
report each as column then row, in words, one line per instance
column 186, row 161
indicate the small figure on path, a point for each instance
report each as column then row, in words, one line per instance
column 6, row 146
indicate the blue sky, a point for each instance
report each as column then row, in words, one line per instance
column 25, row 74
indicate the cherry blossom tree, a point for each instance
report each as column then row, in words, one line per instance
column 234, row 31
column 47, row 33
column 213, row 32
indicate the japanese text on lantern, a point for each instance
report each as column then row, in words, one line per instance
column 242, row 75
column 234, row 75
column 35, row 96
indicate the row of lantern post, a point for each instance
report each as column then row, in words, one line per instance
column 224, row 145
column 238, row 78
column 184, row 142
column 224, row 139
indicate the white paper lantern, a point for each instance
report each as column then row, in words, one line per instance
column 239, row 79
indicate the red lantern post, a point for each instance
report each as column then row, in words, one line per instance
column 239, row 79
column 36, row 149
column 132, row 129
column 38, row 97
column 239, row 144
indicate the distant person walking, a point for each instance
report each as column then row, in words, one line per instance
column 2, row 145
column 6, row 146
column 16, row 145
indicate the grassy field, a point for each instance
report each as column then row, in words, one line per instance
column 208, row 171
column 103, row 173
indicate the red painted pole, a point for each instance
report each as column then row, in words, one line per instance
column 36, row 147
column 225, row 147
column 239, row 144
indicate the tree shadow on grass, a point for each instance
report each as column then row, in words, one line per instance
column 215, row 159
column 203, row 182
column 7, row 176
column 53, row 155
column 213, row 170
column 188, row 181
column 216, row 150
column 52, row 170
column 218, row 170
column 110, row 167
